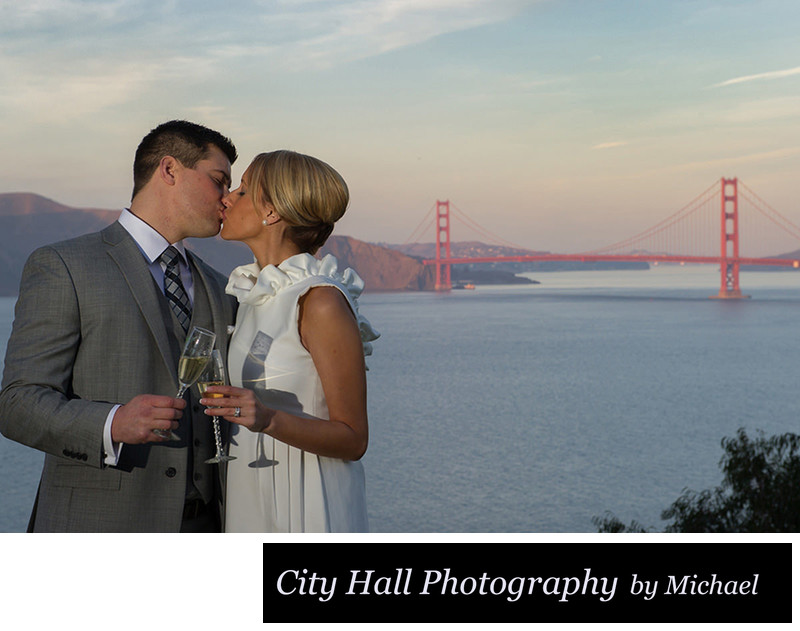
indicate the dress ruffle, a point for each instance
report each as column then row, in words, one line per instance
column 253, row 286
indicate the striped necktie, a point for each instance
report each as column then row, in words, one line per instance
column 173, row 288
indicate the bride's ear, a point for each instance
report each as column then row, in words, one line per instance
column 271, row 217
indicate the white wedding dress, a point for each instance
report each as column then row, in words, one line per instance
column 272, row 486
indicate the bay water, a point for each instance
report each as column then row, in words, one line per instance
column 534, row 408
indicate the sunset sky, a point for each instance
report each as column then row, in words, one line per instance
column 557, row 124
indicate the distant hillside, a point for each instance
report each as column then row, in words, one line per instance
column 478, row 249
column 28, row 221
column 459, row 248
column 382, row 269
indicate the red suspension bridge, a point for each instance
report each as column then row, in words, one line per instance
column 707, row 230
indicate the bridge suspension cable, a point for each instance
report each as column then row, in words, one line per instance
column 697, row 203
column 769, row 212
column 483, row 231
column 424, row 225
column 430, row 218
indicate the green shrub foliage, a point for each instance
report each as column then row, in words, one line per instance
column 760, row 492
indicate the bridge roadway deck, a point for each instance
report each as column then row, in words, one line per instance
column 590, row 258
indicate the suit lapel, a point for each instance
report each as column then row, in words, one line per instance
column 131, row 262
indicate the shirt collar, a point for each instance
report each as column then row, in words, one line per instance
column 149, row 240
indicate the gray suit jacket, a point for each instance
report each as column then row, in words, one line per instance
column 89, row 333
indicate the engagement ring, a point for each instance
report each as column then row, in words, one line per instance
column 237, row 412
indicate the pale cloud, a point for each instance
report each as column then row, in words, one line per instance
column 66, row 93
column 339, row 32
column 87, row 56
column 35, row 14
column 763, row 110
column 764, row 76
column 749, row 159
column 303, row 34
column 610, row 145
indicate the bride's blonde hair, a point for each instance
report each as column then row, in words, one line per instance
column 308, row 194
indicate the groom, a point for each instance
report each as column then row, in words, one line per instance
column 90, row 370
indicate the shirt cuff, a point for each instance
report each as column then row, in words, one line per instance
column 112, row 449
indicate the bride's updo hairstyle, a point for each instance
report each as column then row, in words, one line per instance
column 308, row 194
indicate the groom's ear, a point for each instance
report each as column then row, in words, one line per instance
column 167, row 170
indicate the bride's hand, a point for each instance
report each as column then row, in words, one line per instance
column 238, row 405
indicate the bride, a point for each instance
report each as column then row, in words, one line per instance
column 298, row 397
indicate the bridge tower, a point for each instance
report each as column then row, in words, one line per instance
column 729, row 241
column 443, row 245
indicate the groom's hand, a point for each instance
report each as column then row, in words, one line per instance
column 135, row 421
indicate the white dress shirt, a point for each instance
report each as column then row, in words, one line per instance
column 152, row 245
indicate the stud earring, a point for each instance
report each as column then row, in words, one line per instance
column 263, row 222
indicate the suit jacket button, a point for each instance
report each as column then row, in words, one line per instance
column 197, row 442
column 171, row 472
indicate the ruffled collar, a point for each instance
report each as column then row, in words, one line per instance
column 253, row 286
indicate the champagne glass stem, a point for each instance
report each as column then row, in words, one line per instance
column 168, row 433
column 217, row 436
column 220, row 457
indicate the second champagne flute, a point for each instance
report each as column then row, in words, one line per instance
column 214, row 375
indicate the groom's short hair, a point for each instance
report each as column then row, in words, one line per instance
column 187, row 142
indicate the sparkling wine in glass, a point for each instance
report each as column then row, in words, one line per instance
column 214, row 375
column 195, row 356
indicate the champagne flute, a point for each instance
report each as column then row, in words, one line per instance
column 195, row 356
column 214, row 375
